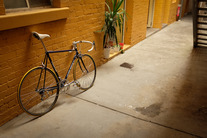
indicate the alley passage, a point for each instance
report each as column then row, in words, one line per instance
column 162, row 95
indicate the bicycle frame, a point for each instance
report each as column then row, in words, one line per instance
column 40, row 86
column 47, row 56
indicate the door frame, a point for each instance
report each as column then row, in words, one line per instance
column 151, row 13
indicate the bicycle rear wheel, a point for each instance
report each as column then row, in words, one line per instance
column 84, row 72
column 38, row 91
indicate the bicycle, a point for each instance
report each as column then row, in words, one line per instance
column 39, row 88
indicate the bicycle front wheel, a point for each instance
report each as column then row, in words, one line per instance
column 84, row 72
column 38, row 91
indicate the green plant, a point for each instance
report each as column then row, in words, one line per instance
column 113, row 17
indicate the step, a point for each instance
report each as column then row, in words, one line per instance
column 202, row 15
column 201, row 0
column 202, row 39
column 201, row 43
column 202, row 28
column 201, row 34
column 202, row 22
column 202, row 8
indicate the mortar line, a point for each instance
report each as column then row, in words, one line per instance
column 148, row 121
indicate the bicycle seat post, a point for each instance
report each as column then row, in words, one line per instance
column 43, row 45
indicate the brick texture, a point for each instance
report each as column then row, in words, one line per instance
column 165, row 12
column 158, row 13
column 137, row 21
column 19, row 51
column 2, row 9
column 173, row 12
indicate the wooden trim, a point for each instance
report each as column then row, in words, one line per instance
column 21, row 19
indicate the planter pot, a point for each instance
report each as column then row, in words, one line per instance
column 112, row 50
column 116, row 49
column 106, row 53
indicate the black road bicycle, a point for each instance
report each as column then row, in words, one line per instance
column 39, row 88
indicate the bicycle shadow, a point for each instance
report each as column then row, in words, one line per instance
column 65, row 97
column 19, row 121
column 25, row 119
column 74, row 91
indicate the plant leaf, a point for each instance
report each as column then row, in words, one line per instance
column 108, row 7
column 114, row 5
column 119, row 4
column 119, row 22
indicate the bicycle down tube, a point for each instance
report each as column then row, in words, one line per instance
column 48, row 56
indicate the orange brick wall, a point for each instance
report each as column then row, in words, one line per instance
column 158, row 13
column 165, row 12
column 173, row 12
column 137, row 21
column 19, row 51
column 128, row 24
column 2, row 10
column 140, row 20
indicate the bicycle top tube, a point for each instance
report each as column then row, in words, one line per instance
column 42, row 36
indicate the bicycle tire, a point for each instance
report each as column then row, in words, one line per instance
column 84, row 72
column 36, row 95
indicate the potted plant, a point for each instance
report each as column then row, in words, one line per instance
column 114, row 17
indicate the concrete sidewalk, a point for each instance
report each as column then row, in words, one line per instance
column 163, row 95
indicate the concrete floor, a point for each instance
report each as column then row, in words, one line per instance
column 163, row 95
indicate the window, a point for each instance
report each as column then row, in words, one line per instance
column 14, row 4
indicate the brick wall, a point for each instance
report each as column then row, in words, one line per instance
column 19, row 51
column 170, row 12
column 128, row 25
column 165, row 12
column 137, row 21
column 173, row 12
column 2, row 10
column 158, row 13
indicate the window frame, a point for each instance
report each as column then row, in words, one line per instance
column 28, row 8
column 32, row 17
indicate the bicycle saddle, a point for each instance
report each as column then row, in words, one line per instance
column 40, row 36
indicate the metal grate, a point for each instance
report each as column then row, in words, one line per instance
column 127, row 65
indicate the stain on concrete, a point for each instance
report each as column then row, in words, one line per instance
column 150, row 111
column 201, row 113
column 127, row 65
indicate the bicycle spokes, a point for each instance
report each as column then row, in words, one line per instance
column 38, row 91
